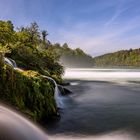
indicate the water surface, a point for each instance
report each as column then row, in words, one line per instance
column 105, row 105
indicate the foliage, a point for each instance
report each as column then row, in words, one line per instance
column 28, row 91
column 6, row 32
column 72, row 57
column 29, row 49
column 127, row 58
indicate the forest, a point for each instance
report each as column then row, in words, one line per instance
column 124, row 58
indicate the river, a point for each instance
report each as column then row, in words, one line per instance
column 104, row 105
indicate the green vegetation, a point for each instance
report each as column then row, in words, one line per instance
column 124, row 58
column 27, row 90
column 72, row 58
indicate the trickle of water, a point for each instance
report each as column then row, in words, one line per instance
column 57, row 95
column 13, row 62
column 8, row 61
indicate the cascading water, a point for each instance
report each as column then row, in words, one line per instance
column 57, row 95
column 9, row 61
column 14, row 63
column 113, row 75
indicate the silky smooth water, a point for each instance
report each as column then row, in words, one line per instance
column 57, row 94
column 105, row 105
column 103, row 74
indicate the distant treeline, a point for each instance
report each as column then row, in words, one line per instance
column 72, row 58
column 123, row 58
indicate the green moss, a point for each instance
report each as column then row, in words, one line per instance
column 28, row 91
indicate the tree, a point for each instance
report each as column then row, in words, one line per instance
column 65, row 46
column 6, row 32
column 34, row 33
column 44, row 35
column 23, row 36
column 79, row 52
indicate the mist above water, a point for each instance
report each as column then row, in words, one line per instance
column 120, row 75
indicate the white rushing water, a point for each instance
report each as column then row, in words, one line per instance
column 116, row 75
column 10, row 62
column 57, row 95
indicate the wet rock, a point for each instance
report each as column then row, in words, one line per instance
column 64, row 91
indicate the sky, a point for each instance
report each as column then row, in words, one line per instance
column 96, row 26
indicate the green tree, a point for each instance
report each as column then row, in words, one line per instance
column 6, row 32
column 34, row 33
column 44, row 35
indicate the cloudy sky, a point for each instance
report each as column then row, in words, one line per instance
column 96, row 26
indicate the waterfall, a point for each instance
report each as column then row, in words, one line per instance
column 57, row 95
column 13, row 62
column 8, row 61
column 113, row 75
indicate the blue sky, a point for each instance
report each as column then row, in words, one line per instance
column 96, row 26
